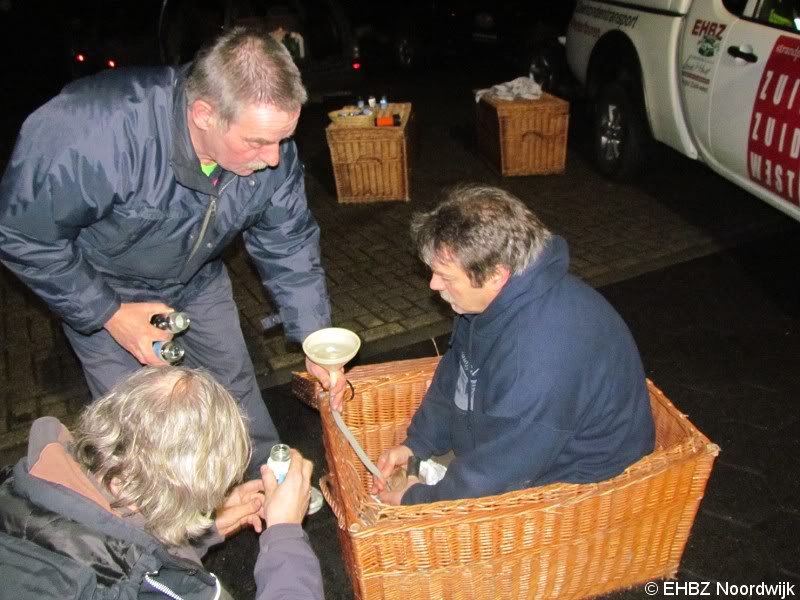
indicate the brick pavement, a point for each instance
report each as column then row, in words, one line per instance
column 378, row 289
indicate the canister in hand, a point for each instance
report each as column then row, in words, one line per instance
column 278, row 461
column 174, row 322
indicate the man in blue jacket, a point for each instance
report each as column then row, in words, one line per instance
column 124, row 190
column 542, row 382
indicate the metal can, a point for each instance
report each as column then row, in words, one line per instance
column 170, row 352
column 174, row 322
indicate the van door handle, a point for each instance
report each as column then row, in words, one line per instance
column 737, row 52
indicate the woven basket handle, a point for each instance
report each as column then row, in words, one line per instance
column 369, row 159
column 540, row 135
column 326, row 487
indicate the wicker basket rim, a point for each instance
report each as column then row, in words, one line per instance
column 544, row 100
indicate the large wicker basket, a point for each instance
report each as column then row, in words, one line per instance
column 523, row 137
column 371, row 163
column 555, row 541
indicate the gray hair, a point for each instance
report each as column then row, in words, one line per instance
column 172, row 441
column 481, row 227
column 243, row 66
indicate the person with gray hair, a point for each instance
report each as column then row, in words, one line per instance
column 124, row 190
column 542, row 382
column 126, row 506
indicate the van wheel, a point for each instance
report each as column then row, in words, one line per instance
column 620, row 132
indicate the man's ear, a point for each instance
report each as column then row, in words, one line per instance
column 202, row 115
column 500, row 277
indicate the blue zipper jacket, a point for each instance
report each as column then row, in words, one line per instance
column 104, row 186
column 546, row 385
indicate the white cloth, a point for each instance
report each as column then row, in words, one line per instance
column 521, row 88
column 431, row 472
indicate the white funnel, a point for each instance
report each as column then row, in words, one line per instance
column 331, row 347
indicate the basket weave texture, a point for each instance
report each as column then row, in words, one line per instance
column 554, row 541
column 371, row 163
column 523, row 137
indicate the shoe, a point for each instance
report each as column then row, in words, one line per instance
column 316, row 502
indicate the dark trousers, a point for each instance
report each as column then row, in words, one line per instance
column 214, row 342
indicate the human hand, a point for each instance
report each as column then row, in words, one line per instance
column 130, row 327
column 396, row 456
column 321, row 373
column 241, row 508
column 394, row 497
column 287, row 502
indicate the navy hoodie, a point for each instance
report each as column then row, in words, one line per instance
column 545, row 385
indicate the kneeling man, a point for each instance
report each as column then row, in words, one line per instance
column 542, row 382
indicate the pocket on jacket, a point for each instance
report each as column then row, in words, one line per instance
column 152, row 248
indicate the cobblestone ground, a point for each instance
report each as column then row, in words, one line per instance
column 377, row 286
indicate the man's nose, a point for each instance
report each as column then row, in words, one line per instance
column 436, row 283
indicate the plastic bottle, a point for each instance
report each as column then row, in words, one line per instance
column 174, row 322
column 170, row 351
column 278, row 461
column 384, row 103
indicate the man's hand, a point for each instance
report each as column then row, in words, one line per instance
column 130, row 327
column 287, row 502
column 389, row 459
column 395, row 496
column 321, row 373
column 241, row 508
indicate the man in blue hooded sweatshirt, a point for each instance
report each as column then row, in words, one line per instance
column 542, row 382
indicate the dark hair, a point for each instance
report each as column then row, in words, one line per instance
column 481, row 227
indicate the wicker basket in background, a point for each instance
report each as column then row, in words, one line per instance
column 523, row 137
column 370, row 163
column 554, row 541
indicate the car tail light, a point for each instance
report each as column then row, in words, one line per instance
column 111, row 63
column 80, row 58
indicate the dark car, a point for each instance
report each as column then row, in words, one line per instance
column 318, row 33
column 103, row 34
column 415, row 33
column 429, row 30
